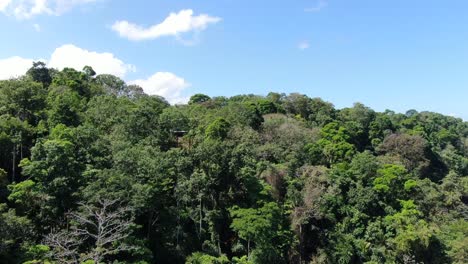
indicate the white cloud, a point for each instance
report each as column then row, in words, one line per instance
column 24, row 9
column 37, row 27
column 14, row 67
column 28, row 9
column 321, row 4
column 68, row 56
column 303, row 45
column 4, row 4
column 173, row 25
column 165, row 84
column 75, row 57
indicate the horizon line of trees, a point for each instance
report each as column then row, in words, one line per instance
column 91, row 171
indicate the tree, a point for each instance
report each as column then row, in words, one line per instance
column 3, row 184
column 40, row 73
column 65, row 107
column 143, row 120
column 218, row 129
column 113, row 85
column 413, row 235
column 79, row 82
column 16, row 138
column 54, row 166
column 321, row 112
column 261, row 226
column 199, row 98
column 381, row 127
column 89, row 71
column 14, row 232
column 107, row 224
column 266, row 107
column 387, row 176
column 200, row 258
column 94, row 170
column 357, row 121
column 297, row 104
column 23, row 99
column 31, row 202
column 455, row 236
column 410, row 150
column 335, row 143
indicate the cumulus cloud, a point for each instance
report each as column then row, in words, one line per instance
column 68, row 56
column 303, row 45
column 24, row 9
column 75, row 57
column 4, row 4
column 175, row 24
column 14, row 67
column 37, row 27
column 165, row 84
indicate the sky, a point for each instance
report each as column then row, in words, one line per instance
column 396, row 55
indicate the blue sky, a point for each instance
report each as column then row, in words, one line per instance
column 395, row 54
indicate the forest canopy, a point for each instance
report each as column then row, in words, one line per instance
column 93, row 170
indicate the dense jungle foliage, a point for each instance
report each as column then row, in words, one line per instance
column 93, row 170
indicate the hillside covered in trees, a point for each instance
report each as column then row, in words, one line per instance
column 95, row 171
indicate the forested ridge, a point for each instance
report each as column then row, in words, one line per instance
column 93, row 170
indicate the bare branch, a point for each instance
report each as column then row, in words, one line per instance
column 64, row 246
column 107, row 224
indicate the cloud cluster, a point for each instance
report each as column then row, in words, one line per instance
column 14, row 67
column 4, row 4
column 68, row 56
column 25, row 9
column 75, row 57
column 175, row 24
column 165, row 84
